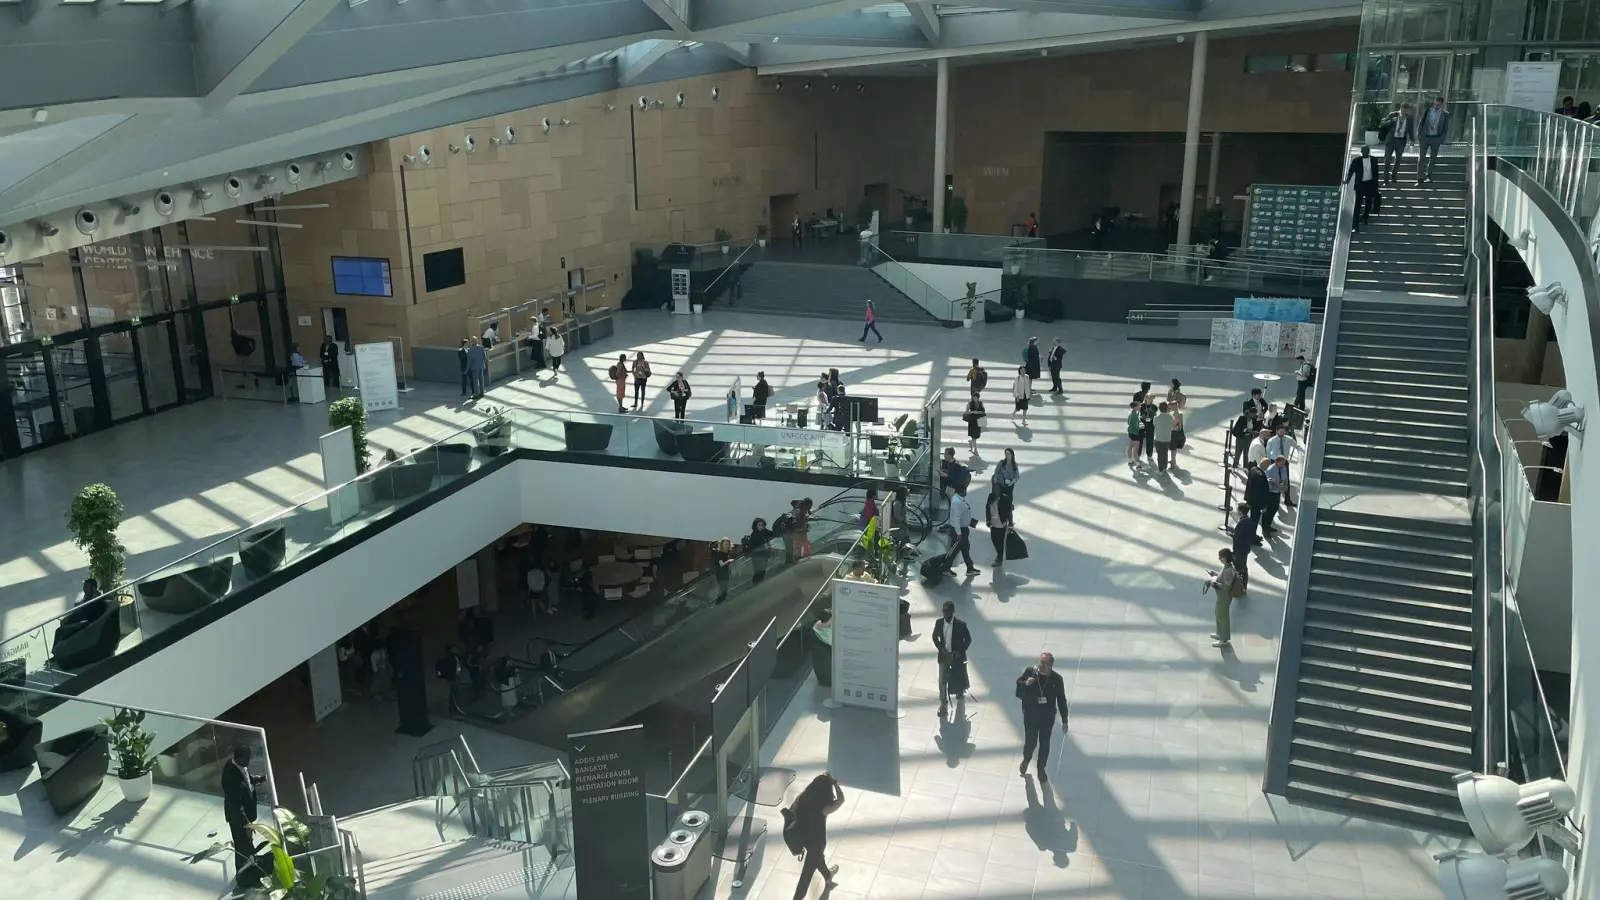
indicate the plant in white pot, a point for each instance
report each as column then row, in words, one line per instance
column 130, row 753
column 494, row 435
column 969, row 304
column 761, row 235
column 722, row 237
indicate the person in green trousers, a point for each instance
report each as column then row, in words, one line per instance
column 1225, row 585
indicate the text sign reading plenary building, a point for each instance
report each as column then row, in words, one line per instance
column 610, row 835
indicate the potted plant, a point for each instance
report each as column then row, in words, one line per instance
column 761, row 236
column 349, row 413
column 863, row 214
column 285, row 882
column 722, row 237
column 92, row 520
column 956, row 214
column 969, row 304
column 130, row 753
column 494, row 435
column 1372, row 120
column 905, row 428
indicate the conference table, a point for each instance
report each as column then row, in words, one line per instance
column 617, row 574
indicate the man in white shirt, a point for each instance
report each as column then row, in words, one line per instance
column 1281, row 444
column 491, row 335
column 961, row 523
column 1258, row 449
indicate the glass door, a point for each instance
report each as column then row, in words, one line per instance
column 31, row 418
column 158, row 364
column 121, row 374
column 74, row 386
column 1419, row 78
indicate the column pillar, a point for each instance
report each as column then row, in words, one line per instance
column 1191, row 138
column 941, row 118
column 1212, row 194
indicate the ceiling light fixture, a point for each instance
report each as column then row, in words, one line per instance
column 46, row 230
column 233, row 187
column 292, row 173
column 164, row 203
column 127, row 209
column 347, row 160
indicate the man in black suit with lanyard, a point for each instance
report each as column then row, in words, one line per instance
column 952, row 638
column 1042, row 693
column 239, row 809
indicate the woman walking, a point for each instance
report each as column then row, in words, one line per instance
column 974, row 415
column 1030, row 360
column 619, row 377
column 1006, row 475
column 680, row 393
column 1022, row 394
column 805, row 825
column 998, row 513
column 872, row 324
column 555, row 347
column 1177, row 431
column 641, row 375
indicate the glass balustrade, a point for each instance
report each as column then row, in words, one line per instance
column 957, row 249
column 1241, row 270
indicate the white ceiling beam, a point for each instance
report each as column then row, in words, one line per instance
column 670, row 16
column 110, row 141
column 239, row 42
column 1159, row 9
column 738, row 52
column 926, row 19
column 636, row 59
column 719, row 19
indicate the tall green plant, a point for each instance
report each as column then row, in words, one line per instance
column 287, row 883
column 969, row 303
column 130, row 743
column 93, row 519
column 721, row 236
column 349, row 412
column 955, row 213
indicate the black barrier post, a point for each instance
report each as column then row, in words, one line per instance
column 1227, row 475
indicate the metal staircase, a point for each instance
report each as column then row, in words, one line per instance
column 825, row 292
column 1415, row 242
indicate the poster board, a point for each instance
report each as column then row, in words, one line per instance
column 326, row 694
column 338, row 452
column 1533, row 85
column 375, row 376
column 1295, row 217
column 866, row 645
column 1272, row 309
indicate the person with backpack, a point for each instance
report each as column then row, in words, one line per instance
column 1305, row 377
column 953, row 476
column 1226, row 585
column 977, row 378
column 783, row 528
column 619, row 376
column 805, row 829
column 641, row 377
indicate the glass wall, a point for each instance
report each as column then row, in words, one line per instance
column 135, row 324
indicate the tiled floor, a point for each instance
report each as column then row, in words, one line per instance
column 1156, row 790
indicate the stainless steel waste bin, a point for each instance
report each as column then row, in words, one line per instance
column 682, row 862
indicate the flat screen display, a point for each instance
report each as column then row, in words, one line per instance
column 365, row 276
column 444, row 269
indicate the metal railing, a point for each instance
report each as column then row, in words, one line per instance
column 932, row 301
column 1280, row 727
column 1180, row 322
column 1171, row 268
column 982, row 249
column 737, row 260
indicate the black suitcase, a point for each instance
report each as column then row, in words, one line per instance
column 933, row 570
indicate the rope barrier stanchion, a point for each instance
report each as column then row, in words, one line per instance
column 1227, row 479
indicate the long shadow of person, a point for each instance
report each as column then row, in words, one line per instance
column 1246, row 675
column 1047, row 826
column 954, row 738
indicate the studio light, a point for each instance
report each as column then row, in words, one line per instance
column 544, row 125
column 127, row 209
column 292, row 173
column 1548, row 297
column 1559, row 415
column 233, row 187
column 425, row 155
column 5, row 243
column 201, row 195
column 263, row 179
column 1521, row 241
column 716, row 92
column 87, row 220
column 323, row 166
column 1474, row 876
column 678, row 99
column 46, row 230
column 409, row 158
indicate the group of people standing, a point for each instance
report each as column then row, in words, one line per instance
column 1155, row 427
column 639, row 371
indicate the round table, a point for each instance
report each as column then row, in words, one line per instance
column 617, row 574
column 644, row 540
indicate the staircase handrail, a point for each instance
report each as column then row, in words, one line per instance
column 930, row 307
column 730, row 267
column 1280, row 726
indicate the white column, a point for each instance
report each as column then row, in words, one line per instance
column 1191, row 137
column 941, row 118
column 1211, row 177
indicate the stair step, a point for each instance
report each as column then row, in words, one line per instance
column 1386, row 744
column 1362, row 548
column 1407, row 590
column 1458, row 531
column 1425, row 820
column 1377, row 422
column 1400, row 703
column 1380, row 601
column 1400, row 727
column 1408, row 626
column 1386, row 662
column 1394, row 396
column 1443, row 486
column 1331, row 634
column 1446, row 693
column 1392, row 448
column 1348, row 456
column 1380, row 370
column 1414, row 541
column 1443, row 575
column 1410, row 771
column 1364, row 409
column 1347, row 779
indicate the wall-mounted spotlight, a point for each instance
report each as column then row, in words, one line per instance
column 509, row 136
column 347, row 160
column 611, row 107
column 777, row 86
column 565, row 123
column 643, row 102
column 678, row 99
column 468, row 143
column 5, row 244
column 835, row 88
column 544, row 125
column 323, row 166
column 127, row 209
column 1547, row 298
column 1561, row 414
column 860, row 87
column 46, row 230
column 716, row 92
column 292, row 173
column 1522, row 240
column 200, row 195
column 425, row 155
column 807, row 86
column 164, row 203
column 233, row 187
column 87, row 220
column 409, row 158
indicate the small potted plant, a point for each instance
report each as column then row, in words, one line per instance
column 1372, row 121
column 722, row 237
column 494, row 435
column 898, row 454
column 130, row 753
column 761, row 236
column 92, row 520
column 863, row 214
column 969, row 304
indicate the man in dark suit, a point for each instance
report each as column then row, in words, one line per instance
column 1399, row 128
column 1244, row 539
column 1258, row 494
column 1433, row 128
column 239, row 809
column 1042, row 694
column 1255, row 406
column 952, row 638
column 1364, row 173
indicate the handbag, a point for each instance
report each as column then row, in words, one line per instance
column 1016, row 547
column 1236, row 587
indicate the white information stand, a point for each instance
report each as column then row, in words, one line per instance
column 1533, row 85
column 375, row 375
column 866, row 647
column 339, row 467
column 326, row 693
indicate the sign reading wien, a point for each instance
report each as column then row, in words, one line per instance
column 610, row 832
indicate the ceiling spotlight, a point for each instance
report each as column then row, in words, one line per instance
column 643, row 102
column 46, row 230
column 611, row 107
column 409, row 158
column 1522, row 240
column 87, row 220
column 657, row 104
column 1548, row 297
column 565, row 123
column 544, row 125
column 233, row 187
column 425, row 154
column 860, row 87
column 836, row 88
column 164, row 203
column 1550, row 419
column 200, row 195
column 716, row 92
column 323, row 166
column 263, row 179
column 127, row 209
column 1474, row 876
column 292, row 173
column 470, row 142
column 806, row 87
column 347, row 160
column 679, row 98
column 5, row 244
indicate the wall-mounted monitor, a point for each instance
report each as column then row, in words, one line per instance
column 444, row 269
column 366, row 276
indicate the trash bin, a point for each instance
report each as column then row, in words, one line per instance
column 682, row 862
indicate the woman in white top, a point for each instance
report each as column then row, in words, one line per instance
column 555, row 347
column 1021, row 392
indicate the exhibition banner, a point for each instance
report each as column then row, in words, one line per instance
column 326, row 694
column 610, row 832
column 866, row 644
column 814, row 439
column 375, row 376
column 1274, row 309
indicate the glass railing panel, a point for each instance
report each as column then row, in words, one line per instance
column 1175, row 268
column 927, row 246
column 186, row 752
column 798, row 654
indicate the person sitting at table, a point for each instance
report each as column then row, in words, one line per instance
column 722, row 566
